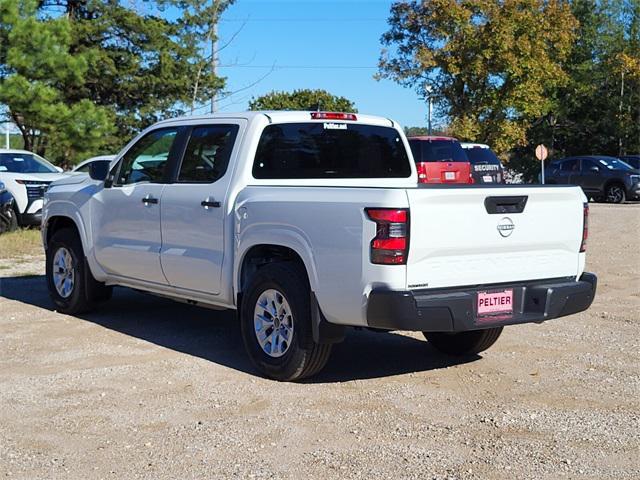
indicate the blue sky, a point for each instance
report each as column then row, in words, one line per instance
column 299, row 38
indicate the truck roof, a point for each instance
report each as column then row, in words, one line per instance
column 286, row 116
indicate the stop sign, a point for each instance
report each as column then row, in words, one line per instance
column 541, row 152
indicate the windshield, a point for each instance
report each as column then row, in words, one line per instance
column 330, row 150
column 478, row 155
column 24, row 163
column 633, row 161
column 437, row 151
column 613, row 163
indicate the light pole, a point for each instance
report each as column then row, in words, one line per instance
column 428, row 89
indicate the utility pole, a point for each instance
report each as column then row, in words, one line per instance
column 430, row 110
column 214, row 58
column 428, row 90
column 620, row 107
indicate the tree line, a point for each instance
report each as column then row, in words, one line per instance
column 515, row 73
column 79, row 77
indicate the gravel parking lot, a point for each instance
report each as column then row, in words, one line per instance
column 148, row 388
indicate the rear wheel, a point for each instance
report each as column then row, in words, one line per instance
column 275, row 322
column 463, row 343
column 71, row 285
column 616, row 194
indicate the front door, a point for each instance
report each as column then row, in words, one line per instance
column 126, row 215
column 194, row 211
column 590, row 177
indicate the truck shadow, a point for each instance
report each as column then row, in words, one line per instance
column 215, row 335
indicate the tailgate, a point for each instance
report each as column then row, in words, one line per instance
column 456, row 241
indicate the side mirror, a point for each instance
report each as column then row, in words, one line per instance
column 99, row 170
column 59, row 169
column 594, row 169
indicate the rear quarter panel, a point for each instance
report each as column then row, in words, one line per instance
column 329, row 230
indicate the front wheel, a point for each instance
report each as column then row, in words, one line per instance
column 463, row 343
column 71, row 284
column 275, row 322
column 616, row 194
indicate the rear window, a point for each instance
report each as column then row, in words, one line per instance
column 437, row 151
column 482, row 156
column 330, row 150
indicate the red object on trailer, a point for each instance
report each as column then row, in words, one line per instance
column 440, row 160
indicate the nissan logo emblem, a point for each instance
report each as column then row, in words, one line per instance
column 505, row 227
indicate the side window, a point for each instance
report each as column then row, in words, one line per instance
column 146, row 160
column 588, row 164
column 84, row 168
column 206, row 157
column 570, row 165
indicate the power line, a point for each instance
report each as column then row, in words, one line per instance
column 303, row 67
column 306, row 20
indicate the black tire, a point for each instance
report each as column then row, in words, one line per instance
column 86, row 291
column 616, row 193
column 463, row 343
column 8, row 221
column 303, row 357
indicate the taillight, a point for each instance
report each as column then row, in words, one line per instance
column 333, row 116
column 390, row 246
column 585, row 227
column 421, row 167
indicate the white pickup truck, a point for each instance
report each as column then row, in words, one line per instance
column 307, row 223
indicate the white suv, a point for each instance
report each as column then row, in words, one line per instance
column 26, row 176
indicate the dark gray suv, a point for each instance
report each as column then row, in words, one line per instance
column 601, row 178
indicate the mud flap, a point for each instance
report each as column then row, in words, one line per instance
column 324, row 332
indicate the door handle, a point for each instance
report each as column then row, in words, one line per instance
column 209, row 203
column 149, row 200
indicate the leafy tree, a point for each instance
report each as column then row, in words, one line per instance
column 121, row 66
column 598, row 110
column 302, row 100
column 417, row 131
column 35, row 62
column 489, row 63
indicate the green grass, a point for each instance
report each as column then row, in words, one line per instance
column 24, row 242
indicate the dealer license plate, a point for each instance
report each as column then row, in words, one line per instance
column 449, row 175
column 490, row 303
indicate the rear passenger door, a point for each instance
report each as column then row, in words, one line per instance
column 194, row 208
column 569, row 169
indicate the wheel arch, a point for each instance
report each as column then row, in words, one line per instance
column 613, row 181
column 258, row 255
column 55, row 223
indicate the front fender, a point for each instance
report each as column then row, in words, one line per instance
column 65, row 209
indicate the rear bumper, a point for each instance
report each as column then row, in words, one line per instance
column 455, row 310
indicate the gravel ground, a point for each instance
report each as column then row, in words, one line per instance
column 147, row 388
